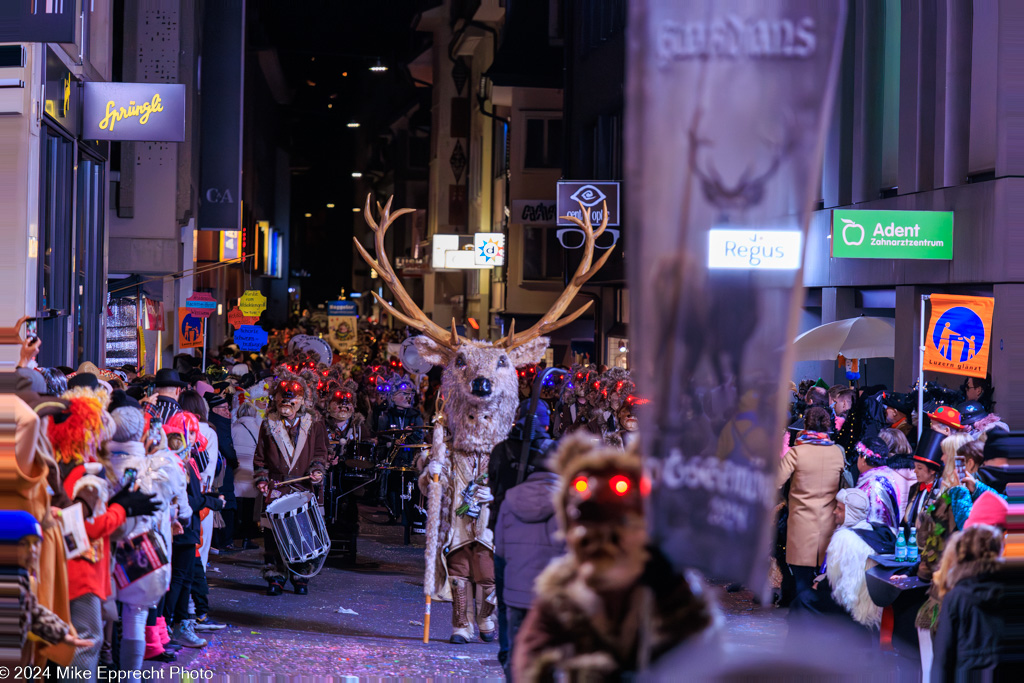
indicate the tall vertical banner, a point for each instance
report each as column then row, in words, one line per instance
column 959, row 335
column 728, row 105
column 342, row 324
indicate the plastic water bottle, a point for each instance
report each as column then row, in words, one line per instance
column 901, row 547
column 912, row 553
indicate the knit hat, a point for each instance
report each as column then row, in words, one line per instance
column 988, row 509
column 128, row 416
column 16, row 525
column 856, row 502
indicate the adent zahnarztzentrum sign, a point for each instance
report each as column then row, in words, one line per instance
column 892, row 234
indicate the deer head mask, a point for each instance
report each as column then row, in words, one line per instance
column 480, row 386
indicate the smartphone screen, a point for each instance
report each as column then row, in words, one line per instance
column 32, row 329
column 961, row 469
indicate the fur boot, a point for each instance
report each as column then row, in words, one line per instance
column 462, row 629
column 154, row 647
column 161, row 629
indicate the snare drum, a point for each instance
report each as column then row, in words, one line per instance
column 299, row 529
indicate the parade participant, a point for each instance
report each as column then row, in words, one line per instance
column 292, row 444
column 574, row 408
column 945, row 420
column 585, row 623
column 344, row 425
column 878, row 481
column 898, row 410
column 400, row 412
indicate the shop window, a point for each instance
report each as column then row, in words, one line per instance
column 55, row 249
column 543, row 143
column 542, row 253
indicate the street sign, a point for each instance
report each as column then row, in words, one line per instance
column 534, row 211
column 592, row 194
column 201, row 304
column 133, row 111
column 251, row 338
column 342, row 324
column 892, row 234
column 252, row 303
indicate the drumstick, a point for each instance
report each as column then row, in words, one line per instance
column 292, row 481
column 426, row 614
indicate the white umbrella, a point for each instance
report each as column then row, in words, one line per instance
column 863, row 337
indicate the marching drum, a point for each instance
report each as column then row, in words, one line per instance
column 359, row 455
column 299, row 530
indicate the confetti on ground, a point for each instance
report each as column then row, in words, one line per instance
column 415, row 623
column 342, row 610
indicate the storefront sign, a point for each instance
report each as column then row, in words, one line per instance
column 959, row 335
column 534, row 211
column 230, row 245
column 754, row 249
column 342, row 324
column 190, row 330
column 252, row 303
column 593, row 194
column 201, row 305
column 220, row 172
column 489, row 248
column 728, row 107
column 62, row 93
column 440, row 246
column 133, row 111
column 251, row 338
column 892, row 234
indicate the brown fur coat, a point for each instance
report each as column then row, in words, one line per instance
column 571, row 630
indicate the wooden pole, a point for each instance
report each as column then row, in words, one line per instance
column 426, row 608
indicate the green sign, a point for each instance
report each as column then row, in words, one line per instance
column 892, row 234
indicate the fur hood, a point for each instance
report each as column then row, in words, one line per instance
column 847, row 560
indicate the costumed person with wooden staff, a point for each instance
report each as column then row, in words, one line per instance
column 480, row 391
column 291, row 456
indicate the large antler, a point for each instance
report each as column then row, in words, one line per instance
column 414, row 317
column 553, row 319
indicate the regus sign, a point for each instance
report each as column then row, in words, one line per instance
column 754, row 249
column 892, row 234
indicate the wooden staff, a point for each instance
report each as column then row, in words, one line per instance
column 426, row 609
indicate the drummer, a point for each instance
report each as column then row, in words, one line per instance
column 344, row 424
column 400, row 413
column 292, row 444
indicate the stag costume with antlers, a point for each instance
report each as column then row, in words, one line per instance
column 292, row 444
column 480, row 390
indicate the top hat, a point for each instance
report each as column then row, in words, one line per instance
column 929, row 450
column 168, row 377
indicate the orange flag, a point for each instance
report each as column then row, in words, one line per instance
column 958, row 336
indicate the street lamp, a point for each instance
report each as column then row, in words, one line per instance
column 309, row 215
column 378, row 67
column 357, row 174
column 352, row 124
column 330, row 206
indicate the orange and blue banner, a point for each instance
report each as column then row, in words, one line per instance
column 959, row 335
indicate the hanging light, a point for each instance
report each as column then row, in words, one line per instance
column 330, row 206
column 352, row 124
column 357, row 174
column 378, row 67
column 309, row 215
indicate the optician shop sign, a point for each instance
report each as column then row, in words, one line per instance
column 153, row 112
column 593, row 195
column 892, row 234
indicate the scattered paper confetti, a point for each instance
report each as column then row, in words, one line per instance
column 342, row 610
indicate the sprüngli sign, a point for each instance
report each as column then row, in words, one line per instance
column 152, row 112
column 892, row 234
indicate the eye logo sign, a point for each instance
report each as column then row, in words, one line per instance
column 851, row 230
column 589, row 196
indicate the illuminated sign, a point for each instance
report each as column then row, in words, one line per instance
column 892, row 234
column 440, row 246
column 594, row 195
column 489, row 248
column 152, row 112
column 754, row 249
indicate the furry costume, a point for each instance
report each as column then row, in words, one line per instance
column 848, row 560
column 587, row 633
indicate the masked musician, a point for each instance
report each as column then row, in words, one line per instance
column 344, row 425
column 292, row 445
column 401, row 413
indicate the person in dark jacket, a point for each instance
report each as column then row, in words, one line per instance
column 974, row 639
column 527, row 539
column 503, row 467
column 168, row 388
column 220, row 420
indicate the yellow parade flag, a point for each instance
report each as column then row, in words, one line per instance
column 958, row 336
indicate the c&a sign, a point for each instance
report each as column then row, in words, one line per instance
column 152, row 112
column 958, row 337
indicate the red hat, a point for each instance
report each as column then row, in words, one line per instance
column 947, row 416
column 988, row 509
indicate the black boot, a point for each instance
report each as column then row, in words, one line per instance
column 274, row 588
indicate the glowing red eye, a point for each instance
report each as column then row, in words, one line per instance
column 618, row 385
column 597, row 384
column 580, row 484
column 579, row 375
column 619, row 484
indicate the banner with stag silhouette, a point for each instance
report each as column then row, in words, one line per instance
column 729, row 102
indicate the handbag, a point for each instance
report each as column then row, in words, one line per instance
column 138, row 557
